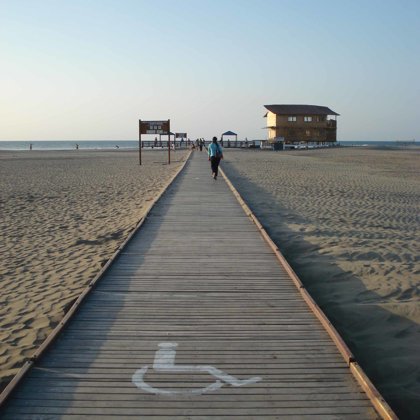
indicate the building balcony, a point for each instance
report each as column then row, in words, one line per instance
column 329, row 124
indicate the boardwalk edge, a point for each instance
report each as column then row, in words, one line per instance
column 373, row 394
column 73, row 309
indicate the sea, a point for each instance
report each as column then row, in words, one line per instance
column 133, row 144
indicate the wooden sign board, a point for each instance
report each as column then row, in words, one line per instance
column 154, row 127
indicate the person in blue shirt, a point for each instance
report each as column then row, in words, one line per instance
column 215, row 155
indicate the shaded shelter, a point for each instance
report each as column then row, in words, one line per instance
column 229, row 133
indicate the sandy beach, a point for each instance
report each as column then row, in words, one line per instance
column 348, row 221
column 63, row 214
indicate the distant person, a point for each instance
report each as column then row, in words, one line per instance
column 215, row 152
column 30, row 146
column 77, row 146
column 201, row 145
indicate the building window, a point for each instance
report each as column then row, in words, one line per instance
column 307, row 119
column 291, row 119
column 308, row 132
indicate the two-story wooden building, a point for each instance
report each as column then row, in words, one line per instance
column 301, row 124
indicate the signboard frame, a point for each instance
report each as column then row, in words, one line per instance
column 155, row 127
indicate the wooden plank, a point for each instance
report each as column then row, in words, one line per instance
column 256, row 412
column 198, row 404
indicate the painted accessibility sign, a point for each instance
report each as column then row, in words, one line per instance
column 165, row 363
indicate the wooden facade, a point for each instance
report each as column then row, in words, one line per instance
column 296, row 124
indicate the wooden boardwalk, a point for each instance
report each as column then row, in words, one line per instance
column 199, row 280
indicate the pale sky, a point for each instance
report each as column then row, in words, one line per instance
column 89, row 69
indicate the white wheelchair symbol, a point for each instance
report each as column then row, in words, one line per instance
column 165, row 363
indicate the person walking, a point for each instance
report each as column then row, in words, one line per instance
column 215, row 155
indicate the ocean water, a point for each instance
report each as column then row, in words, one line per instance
column 134, row 144
column 68, row 145
column 380, row 144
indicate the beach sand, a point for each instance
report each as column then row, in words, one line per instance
column 348, row 222
column 62, row 216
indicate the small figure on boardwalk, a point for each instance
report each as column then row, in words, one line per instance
column 201, row 145
column 215, row 155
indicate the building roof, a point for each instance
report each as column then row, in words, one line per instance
column 229, row 133
column 299, row 110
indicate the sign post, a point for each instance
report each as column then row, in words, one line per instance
column 155, row 127
column 169, row 143
column 139, row 142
